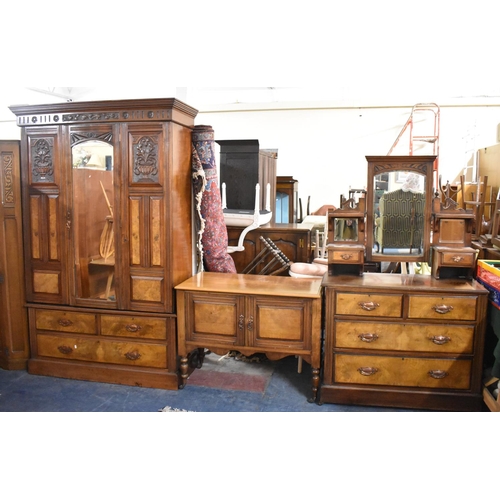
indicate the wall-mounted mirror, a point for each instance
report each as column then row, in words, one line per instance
column 398, row 203
column 93, row 219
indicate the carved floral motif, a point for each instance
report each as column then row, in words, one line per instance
column 146, row 159
column 43, row 160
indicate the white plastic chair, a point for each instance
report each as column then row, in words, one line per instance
column 258, row 218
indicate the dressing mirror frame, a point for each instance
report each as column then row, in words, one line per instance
column 377, row 165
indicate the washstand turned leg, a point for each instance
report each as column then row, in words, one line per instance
column 315, row 386
column 184, row 369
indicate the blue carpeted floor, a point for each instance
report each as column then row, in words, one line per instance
column 283, row 390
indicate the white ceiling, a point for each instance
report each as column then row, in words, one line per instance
column 206, row 98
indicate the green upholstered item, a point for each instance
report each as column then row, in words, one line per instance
column 401, row 220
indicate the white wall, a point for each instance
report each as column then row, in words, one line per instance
column 325, row 148
column 321, row 144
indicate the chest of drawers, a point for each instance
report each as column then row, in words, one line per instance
column 407, row 341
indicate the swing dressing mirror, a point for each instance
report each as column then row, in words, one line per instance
column 398, row 202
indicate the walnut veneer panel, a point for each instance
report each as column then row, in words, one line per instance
column 443, row 308
column 404, row 337
column 138, row 327
column 59, row 321
column 102, row 351
column 364, row 304
column 401, row 372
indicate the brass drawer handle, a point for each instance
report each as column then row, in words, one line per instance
column 250, row 324
column 458, row 259
column 368, row 337
column 440, row 339
column 65, row 349
column 133, row 328
column 368, row 306
column 65, row 322
column 241, row 323
column 346, row 256
column 133, row 356
column 367, row 371
column 443, row 309
column 438, row 374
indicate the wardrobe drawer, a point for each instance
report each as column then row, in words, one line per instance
column 404, row 337
column 358, row 304
column 60, row 321
column 403, row 372
column 442, row 308
column 135, row 327
column 102, row 351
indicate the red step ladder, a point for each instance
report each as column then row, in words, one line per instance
column 424, row 110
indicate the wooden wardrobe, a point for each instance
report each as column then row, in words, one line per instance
column 108, row 235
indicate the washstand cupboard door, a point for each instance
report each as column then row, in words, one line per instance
column 273, row 322
column 267, row 323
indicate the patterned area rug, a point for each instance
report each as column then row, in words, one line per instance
column 234, row 372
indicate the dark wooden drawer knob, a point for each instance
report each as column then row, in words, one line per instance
column 65, row 322
column 65, row 349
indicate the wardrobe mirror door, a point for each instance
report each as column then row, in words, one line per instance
column 93, row 218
